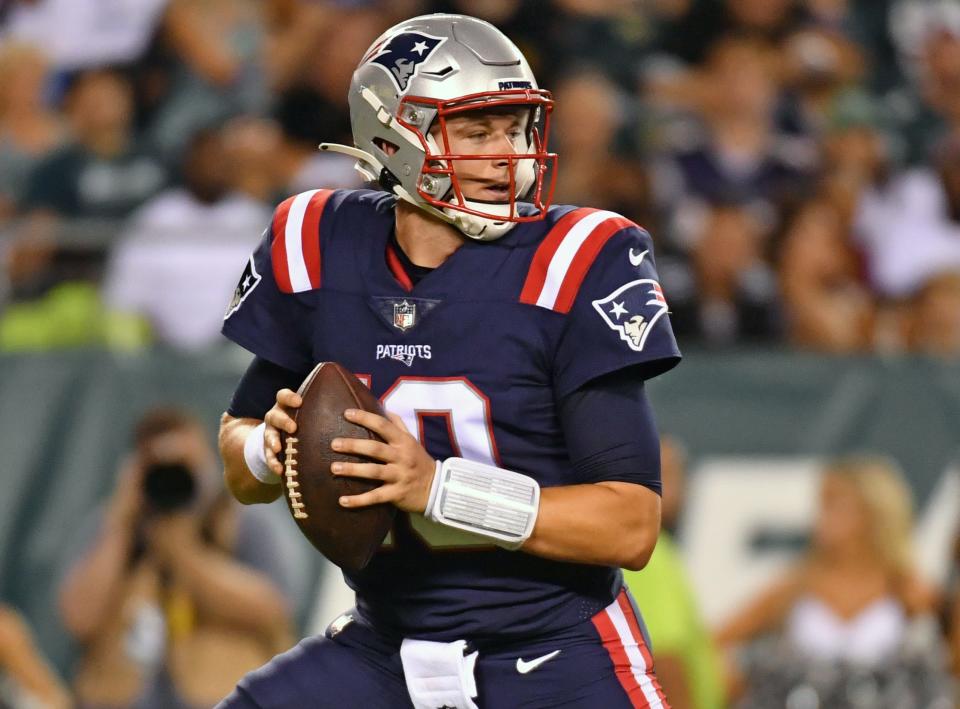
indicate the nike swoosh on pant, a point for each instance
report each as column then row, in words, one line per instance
column 523, row 666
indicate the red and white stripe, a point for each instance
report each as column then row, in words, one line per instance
column 620, row 632
column 657, row 293
column 566, row 254
column 295, row 250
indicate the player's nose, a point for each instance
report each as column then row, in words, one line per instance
column 504, row 145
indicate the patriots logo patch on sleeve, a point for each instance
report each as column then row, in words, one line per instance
column 249, row 280
column 632, row 310
column 403, row 54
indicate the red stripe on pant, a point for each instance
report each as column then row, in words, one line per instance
column 624, row 602
column 621, row 663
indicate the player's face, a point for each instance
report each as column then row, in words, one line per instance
column 500, row 133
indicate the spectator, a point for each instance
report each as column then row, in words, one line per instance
column 83, row 34
column 306, row 120
column 615, row 37
column 827, row 306
column 28, row 129
column 695, row 32
column 736, row 156
column 314, row 107
column 103, row 174
column 927, row 107
column 25, row 678
column 252, row 146
column 176, row 265
column 595, row 169
column 934, row 317
column 213, row 53
column 858, row 152
column 178, row 592
column 72, row 202
column 854, row 601
column 819, row 66
column 684, row 654
column 727, row 293
column 909, row 229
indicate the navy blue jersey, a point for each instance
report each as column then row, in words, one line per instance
column 474, row 358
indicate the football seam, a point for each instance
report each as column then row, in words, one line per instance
column 349, row 385
column 290, row 473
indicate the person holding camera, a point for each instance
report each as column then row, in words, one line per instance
column 180, row 591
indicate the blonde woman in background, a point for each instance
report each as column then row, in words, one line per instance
column 852, row 598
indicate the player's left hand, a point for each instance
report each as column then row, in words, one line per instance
column 406, row 468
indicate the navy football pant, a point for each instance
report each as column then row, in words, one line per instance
column 603, row 662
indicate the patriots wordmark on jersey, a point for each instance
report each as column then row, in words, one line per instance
column 473, row 358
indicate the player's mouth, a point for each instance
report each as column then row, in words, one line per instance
column 495, row 192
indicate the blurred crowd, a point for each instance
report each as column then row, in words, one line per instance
column 797, row 161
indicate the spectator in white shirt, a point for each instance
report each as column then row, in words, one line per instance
column 175, row 268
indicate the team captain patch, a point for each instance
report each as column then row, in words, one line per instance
column 632, row 310
column 249, row 280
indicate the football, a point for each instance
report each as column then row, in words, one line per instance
column 347, row 537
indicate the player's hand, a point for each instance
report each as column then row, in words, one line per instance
column 279, row 418
column 406, row 468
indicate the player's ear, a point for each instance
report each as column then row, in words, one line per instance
column 386, row 146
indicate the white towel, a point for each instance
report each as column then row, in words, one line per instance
column 439, row 674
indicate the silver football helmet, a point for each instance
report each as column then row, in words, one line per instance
column 416, row 76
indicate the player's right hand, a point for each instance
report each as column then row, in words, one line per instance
column 279, row 418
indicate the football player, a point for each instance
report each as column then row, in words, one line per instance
column 510, row 341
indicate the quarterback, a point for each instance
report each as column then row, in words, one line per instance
column 509, row 340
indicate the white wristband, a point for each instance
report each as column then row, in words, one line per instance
column 483, row 499
column 256, row 458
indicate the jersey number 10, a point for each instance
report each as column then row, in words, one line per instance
column 467, row 413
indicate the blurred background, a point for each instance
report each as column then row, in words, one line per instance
column 798, row 164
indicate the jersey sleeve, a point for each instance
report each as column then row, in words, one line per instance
column 603, row 277
column 265, row 320
column 270, row 313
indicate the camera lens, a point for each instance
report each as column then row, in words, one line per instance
column 169, row 487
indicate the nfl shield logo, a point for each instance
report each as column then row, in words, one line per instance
column 404, row 315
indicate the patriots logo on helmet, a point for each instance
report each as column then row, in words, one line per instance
column 403, row 53
column 632, row 310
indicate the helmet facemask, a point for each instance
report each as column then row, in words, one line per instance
column 531, row 170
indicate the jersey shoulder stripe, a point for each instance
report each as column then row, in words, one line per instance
column 565, row 255
column 295, row 248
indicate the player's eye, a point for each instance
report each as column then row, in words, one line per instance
column 478, row 135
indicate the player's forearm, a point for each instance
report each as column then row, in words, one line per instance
column 240, row 481
column 614, row 524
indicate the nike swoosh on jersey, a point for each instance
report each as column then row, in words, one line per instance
column 637, row 259
column 524, row 667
